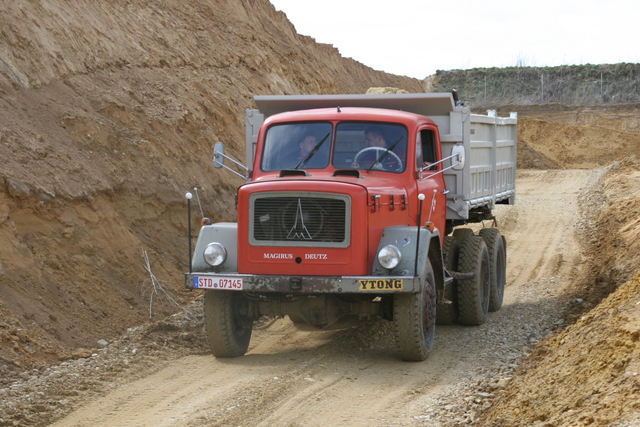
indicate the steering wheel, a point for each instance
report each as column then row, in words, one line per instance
column 380, row 166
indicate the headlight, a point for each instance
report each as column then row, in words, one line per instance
column 215, row 254
column 389, row 257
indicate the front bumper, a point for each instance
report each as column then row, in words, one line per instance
column 309, row 284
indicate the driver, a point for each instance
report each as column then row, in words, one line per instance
column 373, row 138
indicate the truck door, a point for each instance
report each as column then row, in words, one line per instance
column 429, row 181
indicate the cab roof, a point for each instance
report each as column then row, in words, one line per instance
column 425, row 104
column 347, row 114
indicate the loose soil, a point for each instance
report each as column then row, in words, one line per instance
column 108, row 117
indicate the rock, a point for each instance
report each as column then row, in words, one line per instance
column 18, row 188
column 502, row 383
column 103, row 343
column 81, row 353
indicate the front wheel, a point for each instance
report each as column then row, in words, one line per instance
column 227, row 322
column 414, row 320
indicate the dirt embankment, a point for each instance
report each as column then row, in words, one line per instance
column 554, row 144
column 108, row 115
column 589, row 373
column 109, row 112
column 560, row 136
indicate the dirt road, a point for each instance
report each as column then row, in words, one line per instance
column 293, row 377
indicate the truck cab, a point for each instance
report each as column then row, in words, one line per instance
column 346, row 213
column 329, row 205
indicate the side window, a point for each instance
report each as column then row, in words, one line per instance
column 428, row 148
column 419, row 152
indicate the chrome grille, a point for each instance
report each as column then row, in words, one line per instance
column 302, row 220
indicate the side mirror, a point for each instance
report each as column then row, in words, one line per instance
column 457, row 152
column 218, row 161
column 218, row 155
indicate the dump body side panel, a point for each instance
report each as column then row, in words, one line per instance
column 489, row 173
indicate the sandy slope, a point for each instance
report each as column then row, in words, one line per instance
column 110, row 121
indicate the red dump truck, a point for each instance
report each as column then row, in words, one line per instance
column 353, row 209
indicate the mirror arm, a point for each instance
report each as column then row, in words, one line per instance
column 219, row 157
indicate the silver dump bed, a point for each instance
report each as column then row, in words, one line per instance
column 489, row 172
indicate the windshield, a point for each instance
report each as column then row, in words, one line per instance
column 370, row 146
column 356, row 145
column 297, row 146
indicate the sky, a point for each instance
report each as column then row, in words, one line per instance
column 416, row 38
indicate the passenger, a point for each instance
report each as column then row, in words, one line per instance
column 295, row 159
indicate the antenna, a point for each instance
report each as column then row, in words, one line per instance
column 198, row 198
column 204, row 220
column 188, row 196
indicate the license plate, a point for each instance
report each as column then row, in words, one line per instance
column 381, row 284
column 232, row 283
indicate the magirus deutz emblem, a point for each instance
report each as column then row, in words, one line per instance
column 299, row 230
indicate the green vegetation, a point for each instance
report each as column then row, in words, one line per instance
column 571, row 84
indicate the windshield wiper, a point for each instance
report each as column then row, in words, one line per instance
column 381, row 158
column 312, row 152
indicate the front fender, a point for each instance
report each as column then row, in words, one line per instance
column 405, row 238
column 221, row 232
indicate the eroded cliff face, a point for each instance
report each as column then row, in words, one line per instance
column 108, row 115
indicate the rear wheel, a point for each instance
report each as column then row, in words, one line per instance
column 447, row 314
column 227, row 322
column 414, row 320
column 296, row 319
column 460, row 233
column 498, row 266
column 473, row 294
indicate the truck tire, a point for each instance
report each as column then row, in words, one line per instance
column 296, row 319
column 460, row 233
column 447, row 314
column 414, row 320
column 498, row 266
column 227, row 323
column 473, row 294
